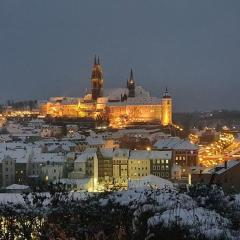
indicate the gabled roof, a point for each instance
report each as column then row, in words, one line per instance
column 219, row 169
column 84, row 157
column 139, row 155
column 230, row 164
column 160, row 155
column 121, row 153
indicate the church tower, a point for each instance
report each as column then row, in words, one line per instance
column 97, row 80
column 166, row 117
column 131, row 85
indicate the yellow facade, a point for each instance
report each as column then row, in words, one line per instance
column 71, row 110
column 166, row 118
column 127, row 114
column 138, row 168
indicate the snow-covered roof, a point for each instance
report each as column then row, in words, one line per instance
column 160, row 155
column 20, row 152
column 121, row 153
column 139, row 155
column 53, row 145
column 48, row 157
column 5, row 138
column 230, row 164
column 17, row 187
column 93, row 141
column 175, row 143
column 221, row 168
column 136, row 101
column 36, row 121
column 64, row 100
column 107, row 152
column 115, row 94
column 84, row 157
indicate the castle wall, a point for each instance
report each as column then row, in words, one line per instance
column 125, row 114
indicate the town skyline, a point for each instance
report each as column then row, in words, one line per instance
column 52, row 56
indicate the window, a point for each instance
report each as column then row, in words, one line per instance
column 166, row 161
column 158, row 161
column 162, row 168
column 162, row 161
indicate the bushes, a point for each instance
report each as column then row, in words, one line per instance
column 133, row 214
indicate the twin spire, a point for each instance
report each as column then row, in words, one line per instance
column 130, row 82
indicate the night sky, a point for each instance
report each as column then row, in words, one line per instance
column 193, row 47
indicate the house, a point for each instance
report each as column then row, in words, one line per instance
column 138, row 164
column 226, row 175
column 120, row 165
column 184, row 153
column 160, row 163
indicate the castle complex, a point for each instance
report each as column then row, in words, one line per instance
column 121, row 107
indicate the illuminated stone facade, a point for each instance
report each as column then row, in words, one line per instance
column 121, row 107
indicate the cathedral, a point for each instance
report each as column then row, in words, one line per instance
column 121, row 106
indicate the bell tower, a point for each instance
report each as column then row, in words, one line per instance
column 166, row 117
column 131, row 85
column 97, row 79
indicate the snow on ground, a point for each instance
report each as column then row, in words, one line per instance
column 197, row 220
column 17, row 187
column 150, row 181
column 167, row 208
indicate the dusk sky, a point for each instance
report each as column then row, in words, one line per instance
column 193, row 47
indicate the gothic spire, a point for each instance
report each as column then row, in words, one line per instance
column 131, row 75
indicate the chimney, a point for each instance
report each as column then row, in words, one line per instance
column 225, row 164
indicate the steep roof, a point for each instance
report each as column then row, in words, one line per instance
column 139, row 155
